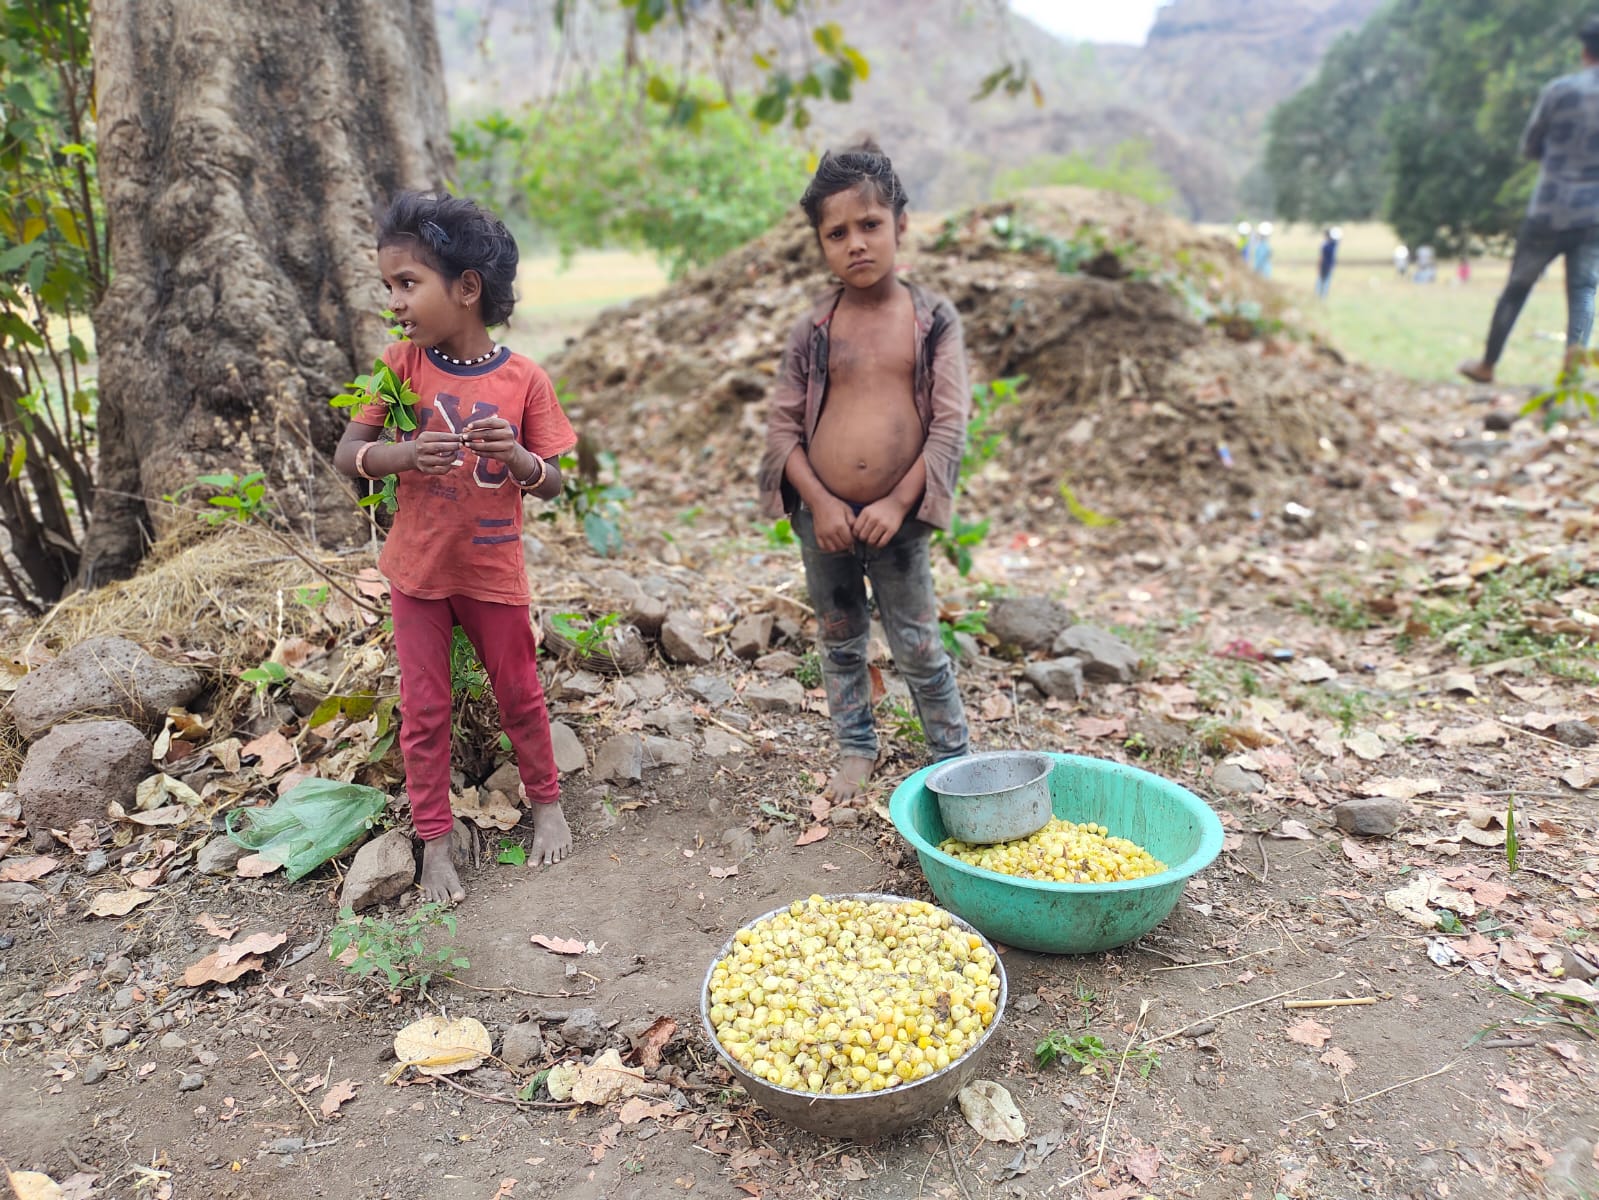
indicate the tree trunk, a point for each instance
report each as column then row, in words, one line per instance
column 245, row 150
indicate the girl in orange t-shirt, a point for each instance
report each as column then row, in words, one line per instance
column 489, row 431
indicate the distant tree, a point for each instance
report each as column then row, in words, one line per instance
column 1127, row 167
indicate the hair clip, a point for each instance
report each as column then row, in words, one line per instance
column 434, row 232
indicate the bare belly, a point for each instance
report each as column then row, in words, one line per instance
column 862, row 449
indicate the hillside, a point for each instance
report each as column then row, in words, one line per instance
column 1199, row 92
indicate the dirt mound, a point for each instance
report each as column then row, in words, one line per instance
column 1160, row 375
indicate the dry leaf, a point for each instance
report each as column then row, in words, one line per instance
column 211, row 969
column 723, row 872
column 169, row 814
column 273, row 750
column 636, row 1109
column 1483, row 733
column 1308, row 1032
column 486, row 809
column 439, row 1046
column 1512, row 1092
column 254, row 866
column 1416, row 899
column 1338, row 1059
column 1366, row 745
column 209, row 923
column 26, row 870
column 1364, row 859
column 1460, row 681
column 33, row 1185
column 160, row 789
column 1399, row 788
column 1143, row 1164
column 820, row 807
column 1102, row 727
column 557, row 945
column 814, row 834
column 118, row 904
column 1296, row 830
column 653, row 1040
column 852, row 1169
column 148, row 877
column 255, row 943
column 79, row 978
column 1582, row 776
column 989, row 1109
column 996, row 707
column 336, row 1095
column 606, row 1079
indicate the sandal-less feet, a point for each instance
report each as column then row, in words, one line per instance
column 1477, row 370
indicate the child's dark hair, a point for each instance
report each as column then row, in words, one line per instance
column 862, row 163
column 453, row 235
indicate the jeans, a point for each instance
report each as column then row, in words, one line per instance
column 1323, row 283
column 901, row 575
column 1535, row 250
column 503, row 637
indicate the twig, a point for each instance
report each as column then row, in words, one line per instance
column 499, row 1099
column 1239, row 1008
column 1505, row 1043
column 1509, row 792
column 1532, row 733
column 477, row 987
column 1339, row 1002
column 1104, row 1129
column 735, row 731
column 1265, row 863
column 298, row 1099
column 960, row 1180
column 1216, row 962
column 1373, row 1095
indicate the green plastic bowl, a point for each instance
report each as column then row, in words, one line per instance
column 1169, row 821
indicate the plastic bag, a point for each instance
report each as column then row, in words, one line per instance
column 315, row 820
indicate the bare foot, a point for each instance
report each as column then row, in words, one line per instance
column 552, row 837
column 440, row 884
column 1478, row 370
column 849, row 779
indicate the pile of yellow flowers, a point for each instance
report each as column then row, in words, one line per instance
column 841, row 996
column 1062, row 852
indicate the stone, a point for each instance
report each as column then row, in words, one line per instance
column 617, row 583
column 113, row 1036
column 713, row 690
column 192, row 1082
column 1579, row 734
column 1230, row 777
column 583, row 1029
column 125, row 998
column 1575, row 965
column 580, row 685
column 647, row 614
column 1060, row 678
column 383, row 870
column 569, row 753
column 967, row 648
column 1369, row 816
column 778, row 662
column 738, row 843
column 1106, row 658
column 95, row 1070
column 10, row 806
column 505, row 778
column 620, row 757
column 524, row 1043
column 173, row 1041
column 1031, row 622
column 674, row 720
column 750, row 637
column 73, row 772
column 95, row 861
column 648, row 688
column 718, row 743
column 683, row 640
column 219, row 856
column 118, row 969
column 844, row 818
column 102, row 676
column 780, row 696
column 666, row 752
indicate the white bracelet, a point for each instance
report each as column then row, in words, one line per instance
column 527, row 485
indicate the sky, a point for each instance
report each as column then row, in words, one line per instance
column 1092, row 20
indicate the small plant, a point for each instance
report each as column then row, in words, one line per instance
column 982, row 443
column 809, row 671
column 311, row 597
column 974, row 623
column 1138, row 746
column 585, row 635
column 384, row 387
column 959, row 540
column 1084, row 1049
column 779, row 534
column 1512, row 842
column 467, row 676
column 903, row 723
column 1079, row 511
column 265, row 677
column 239, row 498
column 1568, row 392
column 397, row 950
column 512, row 853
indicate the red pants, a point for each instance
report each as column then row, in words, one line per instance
column 503, row 636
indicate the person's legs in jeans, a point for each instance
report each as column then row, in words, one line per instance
column 837, row 585
column 1534, row 252
column 503, row 637
column 422, row 633
column 902, row 580
column 1582, row 276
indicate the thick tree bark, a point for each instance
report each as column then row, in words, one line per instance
column 245, row 150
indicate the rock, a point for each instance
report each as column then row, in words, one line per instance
column 524, row 1043
column 778, row 662
column 173, row 1041
column 1026, row 1004
column 505, row 778
column 1575, row 733
column 738, row 843
column 94, row 862
column 780, row 696
column 713, row 690
column 569, row 753
column 683, row 640
column 74, row 771
column 113, row 1036
column 967, row 648
column 95, row 1070
column 616, row 583
column 583, row 1029
column 1499, row 420
column 718, row 743
column 647, row 614
column 286, row 1145
column 751, row 636
column 10, row 806
column 117, row 970
column 219, row 856
column 674, row 720
column 1031, row 622
column 1370, row 816
column 844, row 818
column 1058, row 678
column 648, row 688
column 191, row 1082
column 1230, row 777
column 620, row 757
column 125, row 998
column 580, row 685
column 665, row 752
column 103, row 676
column 383, row 870
column 1105, row 657
column 1576, row 966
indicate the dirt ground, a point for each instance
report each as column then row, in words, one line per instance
column 1405, row 610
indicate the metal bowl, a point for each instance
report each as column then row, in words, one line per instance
column 863, row 1116
column 994, row 797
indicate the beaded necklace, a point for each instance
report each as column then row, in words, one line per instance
column 466, row 362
